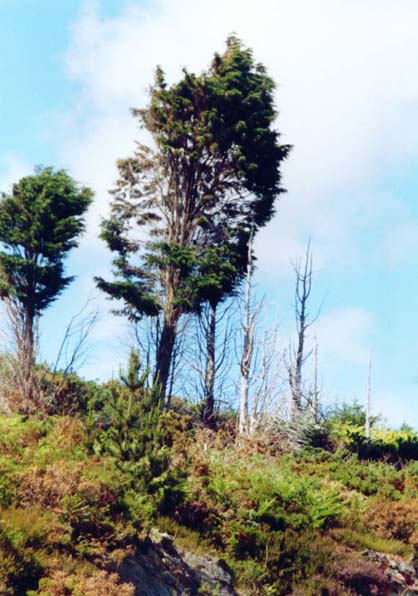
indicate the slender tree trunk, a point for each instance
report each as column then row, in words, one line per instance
column 247, row 353
column 369, row 399
column 26, row 358
column 165, row 352
column 297, row 389
column 303, row 322
column 245, row 364
column 167, row 338
column 315, row 392
column 210, row 373
column 243, row 409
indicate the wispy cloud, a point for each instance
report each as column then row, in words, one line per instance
column 348, row 91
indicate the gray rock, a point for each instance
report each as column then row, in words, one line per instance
column 402, row 577
column 160, row 569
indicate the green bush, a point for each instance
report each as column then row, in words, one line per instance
column 266, row 517
column 64, row 393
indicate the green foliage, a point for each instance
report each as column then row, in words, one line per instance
column 133, row 379
column 260, row 513
column 210, row 180
column 127, row 421
column 39, row 223
column 63, row 393
column 351, row 414
column 349, row 472
column 344, row 428
column 273, row 495
column 128, row 417
column 289, row 524
column 362, row 539
column 391, row 445
column 129, row 424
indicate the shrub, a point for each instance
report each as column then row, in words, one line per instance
column 93, row 583
column 63, row 393
column 395, row 520
column 265, row 516
column 361, row 576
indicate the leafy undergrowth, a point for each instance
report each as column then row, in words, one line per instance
column 72, row 509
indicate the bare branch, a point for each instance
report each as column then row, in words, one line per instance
column 299, row 356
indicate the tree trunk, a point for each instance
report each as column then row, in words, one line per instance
column 369, row 399
column 303, row 322
column 315, row 392
column 247, row 352
column 297, row 387
column 26, row 358
column 209, row 391
column 165, row 352
column 243, row 410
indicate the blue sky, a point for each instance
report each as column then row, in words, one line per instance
column 347, row 79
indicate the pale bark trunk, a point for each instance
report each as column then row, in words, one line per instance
column 243, row 411
column 247, row 354
column 315, row 393
column 369, row 399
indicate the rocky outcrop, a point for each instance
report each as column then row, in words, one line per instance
column 402, row 577
column 161, row 569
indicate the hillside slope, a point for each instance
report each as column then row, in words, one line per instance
column 244, row 519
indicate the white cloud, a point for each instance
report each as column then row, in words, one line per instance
column 348, row 91
column 348, row 99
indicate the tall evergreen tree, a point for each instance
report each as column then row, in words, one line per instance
column 213, row 171
column 40, row 222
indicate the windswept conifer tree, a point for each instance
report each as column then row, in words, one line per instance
column 40, row 221
column 183, row 208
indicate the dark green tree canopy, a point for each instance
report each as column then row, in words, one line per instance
column 218, row 128
column 40, row 222
column 213, row 173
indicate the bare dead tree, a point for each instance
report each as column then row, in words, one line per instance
column 258, row 359
column 208, row 325
column 369, row 399
column 261, row 386
column 215, row 332
column 298, row 356
column 248, row 331
column 23, row 385
column 314, row 398
column 203, row 375
column 266, row 381
column 72, row 354
column 73, row 348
